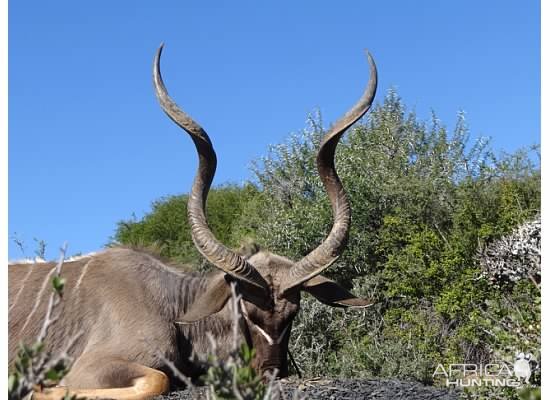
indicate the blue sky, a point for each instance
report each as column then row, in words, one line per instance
column 88, row 144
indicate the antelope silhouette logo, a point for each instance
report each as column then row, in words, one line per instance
column 522, row 368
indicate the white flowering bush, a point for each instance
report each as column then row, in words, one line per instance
column 513, row 257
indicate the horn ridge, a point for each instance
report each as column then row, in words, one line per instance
column 203, row 238
column 330, row 249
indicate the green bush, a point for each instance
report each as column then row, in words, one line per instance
column 166, row 231
column 425, row 200
column 225, row 378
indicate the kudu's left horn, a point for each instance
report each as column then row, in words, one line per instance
column 327, row 252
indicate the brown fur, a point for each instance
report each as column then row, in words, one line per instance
column 128, row 304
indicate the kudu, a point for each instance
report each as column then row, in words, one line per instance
column 131, row 307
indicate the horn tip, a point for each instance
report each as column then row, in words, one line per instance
column 159, row 50
column 369, row 56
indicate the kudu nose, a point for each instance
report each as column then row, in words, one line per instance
column 271, row 368
column 267, row 373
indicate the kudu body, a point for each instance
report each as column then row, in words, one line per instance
column 131, row 307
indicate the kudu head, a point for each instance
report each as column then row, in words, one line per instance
column 269, row 284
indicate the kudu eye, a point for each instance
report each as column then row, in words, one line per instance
column 252, row 294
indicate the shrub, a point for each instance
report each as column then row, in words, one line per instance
column 426, row 201
column 166, row 231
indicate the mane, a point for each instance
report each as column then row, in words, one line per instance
column 35, row 260
column 154, row 252
column 40, row 260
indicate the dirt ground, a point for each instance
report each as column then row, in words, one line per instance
column 345, row 389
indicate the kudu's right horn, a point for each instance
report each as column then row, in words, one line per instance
column 205, row 241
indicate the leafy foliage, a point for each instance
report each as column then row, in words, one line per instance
column 224, row 378
column 426, row 201
column 166, row 231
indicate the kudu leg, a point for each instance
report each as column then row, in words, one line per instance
column 118, row 380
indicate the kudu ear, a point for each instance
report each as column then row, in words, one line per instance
column 210, row 301
column 329, row 292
